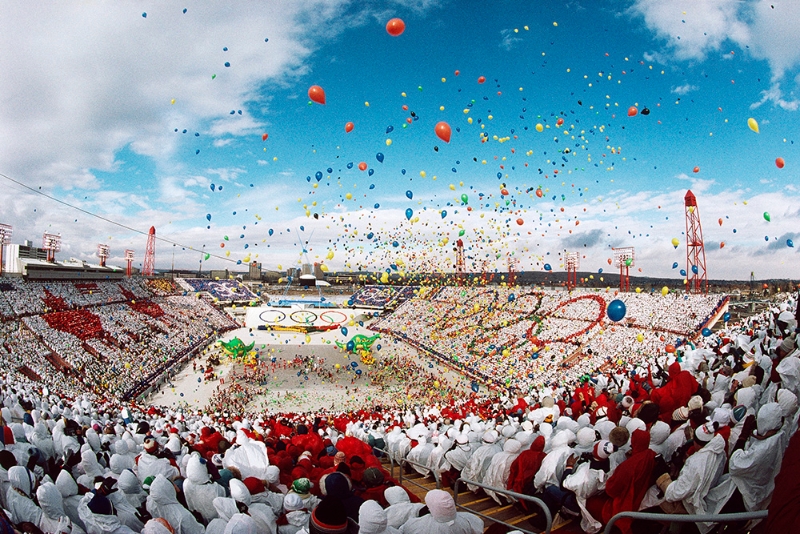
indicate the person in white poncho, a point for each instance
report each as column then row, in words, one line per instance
column 372, row 519
column 162, row 503
column 500, row 468
column 479, row 461
column 225, row 508
column 443, row 519
column 400, row 509
column 199, row 490
column 54, row 520
column 18, row 499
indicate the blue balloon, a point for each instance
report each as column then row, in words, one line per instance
column 379, row 157
column 344, row 330
column 409, row 213
column 353, row 364
column 675, row 265
column 369, row 235
column 389, row 129
column 395, row 244
column 790, row 243
column 726, row 316
column 318, row 176
column 616, row 310
column 350, row 165
column 475, row 386
column 683, row 272
column 600, row 271
column 444, row 214
column 547, row 267
column 371, row 172
column 409, row 194
column 512, row 297
column 403, row 171
column 212, row 187
column 372, row 186
column 351, row 347
column 706, row 332
column 271, row 231
column 766, row 238
column 376, row 206
column 358, row 372
column 694, row 269
column 208, row 216
column 378, row 346
column 330, row 171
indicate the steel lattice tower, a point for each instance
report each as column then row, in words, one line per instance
column 624, row 259
column 150, row 253
column 696, row 274
column 573, row 263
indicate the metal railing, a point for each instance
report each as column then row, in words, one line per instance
column 386, row 454
column 514, row 494
column 681, row 518
column 405, row 461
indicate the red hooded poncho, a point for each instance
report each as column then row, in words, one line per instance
column 525, row 466
column 630, row 481
column 675, row 393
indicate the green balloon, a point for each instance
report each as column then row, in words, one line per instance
column 462, row 232
column 766, row 216
column 464, row 198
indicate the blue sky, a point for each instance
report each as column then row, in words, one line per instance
column 87, row 115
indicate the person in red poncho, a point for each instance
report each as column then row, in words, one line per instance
column 626, row 488
column 525, row 466
column 675, row 393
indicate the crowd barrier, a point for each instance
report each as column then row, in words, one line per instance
column 515, row 495
column 694, row 518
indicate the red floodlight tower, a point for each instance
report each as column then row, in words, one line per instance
column 696, row 274
column 461, row 273
column 129, row 259
column 52, row 244
column 624, row 259
column 5, row 238
column 573, row 263
column 103, row 251
column 150, row 253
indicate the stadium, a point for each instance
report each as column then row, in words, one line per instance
column 336, row 267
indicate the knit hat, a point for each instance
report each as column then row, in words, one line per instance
column 603, row 449
column 627, row 402
column 100, row 505
column 738, row 414
column 148, row 482
column 254, row 485
column 749, row 381
column 301, row 486
column 329, row 517
column 619, row 436
column 372, row 477
column 150, row 444
column 695, row 403
column 681, row 414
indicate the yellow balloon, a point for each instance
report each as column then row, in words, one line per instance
column 388, row 142
column 640, row 338
column 664, row 291
column 349, row 196
column 752, row 124
column 539, row 128
column 436, row 383
column 675, row 242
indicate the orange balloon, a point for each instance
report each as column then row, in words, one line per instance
column 609, row 261
column 504, row 191
column 720, row 221
column 696, row 170
column 779, row 163
column 722, row 244
column 539, row 193
column 481, row 79
column 395, row 27
column 443, row 131
column 520, row 222
column 670, row 348
column 264, row 137
column 560, row 121
column 316, row 94
column 632, row 111
column 362, row 166
column 348, row 127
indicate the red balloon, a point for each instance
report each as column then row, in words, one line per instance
column 458, row 72
column 632, row 111
column 443, row 131
column 481, row 79
column 348, row 127
column 504, row 192
column 539, row 193
column 520, row 222
column 670, row 348
column 264, row 137
column 559, row 122
column 696, row 170
column 316, row 94
column 779, row 163
column 395, row 27
column 362, row 166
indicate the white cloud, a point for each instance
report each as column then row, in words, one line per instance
column 683, row 89
column 509, row 39
column 775, row 96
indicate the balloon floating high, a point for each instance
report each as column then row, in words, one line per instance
column 409, row 194
column 779, row 163
column 632, row 111
column 752, row 124
column 616, row 310
column 395, row 27
column 443, row 131
column 706, row 332
column 767, row 217
column 348, row 127
column 790, row 243
column 409, row 213
column 316, row 94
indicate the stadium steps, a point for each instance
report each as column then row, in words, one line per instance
column 482, row 503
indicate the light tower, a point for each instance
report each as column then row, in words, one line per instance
column 150, row 253
column 624, row 259
column 103, row 252
column 696, row 275
column 5, row 238
column 52, row 244
column 129, row 259
column 573, row 263
column 460, row 270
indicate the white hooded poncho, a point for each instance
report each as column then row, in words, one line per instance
column 199, row 490
column 162, row 503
